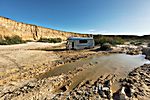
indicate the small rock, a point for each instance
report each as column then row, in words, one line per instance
column 105, row 88
column 123, row 94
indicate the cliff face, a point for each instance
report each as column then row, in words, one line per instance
column 10, row 27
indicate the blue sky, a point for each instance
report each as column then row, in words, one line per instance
column 84, row 16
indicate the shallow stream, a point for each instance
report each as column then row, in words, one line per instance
column 96, row 66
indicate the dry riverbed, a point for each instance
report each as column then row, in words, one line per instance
column 38, row 71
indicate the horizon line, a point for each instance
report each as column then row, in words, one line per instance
column 93, row 33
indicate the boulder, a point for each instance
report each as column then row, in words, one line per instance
column 146, row 51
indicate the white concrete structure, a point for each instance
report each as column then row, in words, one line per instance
column 80, row 43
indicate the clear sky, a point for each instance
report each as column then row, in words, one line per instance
column 84, row 16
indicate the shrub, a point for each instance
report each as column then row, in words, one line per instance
column 111, row 40
column 7, row 40
column 137, row 43
column 50, row 40
column 132, row 42
column 2, row 42
column 105, row 46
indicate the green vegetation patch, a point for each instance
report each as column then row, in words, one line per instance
column 50, row 40
column 7, row 40
column 111, row 40
column 136, row 42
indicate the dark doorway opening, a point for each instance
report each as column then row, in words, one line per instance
column 72, row 45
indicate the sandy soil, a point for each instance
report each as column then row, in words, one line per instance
column 21, row 62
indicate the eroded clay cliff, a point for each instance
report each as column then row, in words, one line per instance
column 10, row 27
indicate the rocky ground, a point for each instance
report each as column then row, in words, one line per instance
column 22, row 67
column 137, row 84
column 135, row 87
column 90, row 90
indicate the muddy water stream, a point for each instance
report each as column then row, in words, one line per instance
column 96, row 66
